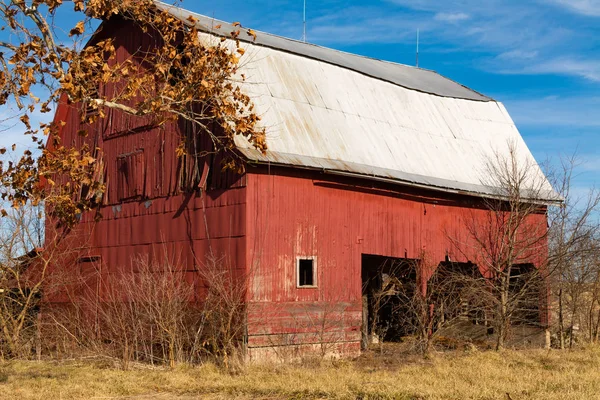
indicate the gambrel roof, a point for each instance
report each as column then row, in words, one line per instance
column 346, row 114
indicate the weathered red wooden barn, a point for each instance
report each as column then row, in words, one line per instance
column 367, row 161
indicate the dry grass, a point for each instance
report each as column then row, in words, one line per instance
column 534, row 374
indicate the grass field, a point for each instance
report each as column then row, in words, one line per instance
column 532, row 374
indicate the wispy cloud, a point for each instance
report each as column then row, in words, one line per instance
column 451, row 17
column 12, row 130
column 585, row 7
column 503, row 36
column 567, row 113
column 353, row 25
column 518, row 55
column 588, row 69
column 529, row 63
column 591, row 163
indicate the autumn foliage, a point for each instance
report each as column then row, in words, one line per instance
column 181, row 77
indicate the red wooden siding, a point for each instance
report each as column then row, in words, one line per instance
column 293, row 214
column 149, row 207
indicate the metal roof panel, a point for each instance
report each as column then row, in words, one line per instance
column 323, row 109
column 404, row 75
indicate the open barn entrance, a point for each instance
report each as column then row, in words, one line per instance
column 458, row 284
column 386, row 281
column 527, row 291
column 395, row 298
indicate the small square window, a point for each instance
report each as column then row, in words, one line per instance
column 307, row 272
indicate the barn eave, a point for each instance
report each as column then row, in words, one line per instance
column 361, row 171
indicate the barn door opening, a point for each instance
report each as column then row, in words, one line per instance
column 527, row 289
column 458, row 284
column 386, row 281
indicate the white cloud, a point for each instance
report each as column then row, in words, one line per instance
column 588, row 69
column 360, row 25
column 512, row 36
column 482, row 26
column 568, row 66
column 451, row 17
column 585, row 7
column 565, row 112
column 591, row 163
column 518, row 55
column 494, row 26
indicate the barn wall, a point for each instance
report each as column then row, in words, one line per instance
column 336, row 219
column 188, row 229
column 147, row 209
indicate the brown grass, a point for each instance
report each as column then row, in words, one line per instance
column 532, row 374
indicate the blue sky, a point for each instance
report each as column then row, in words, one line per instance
column 541, row 58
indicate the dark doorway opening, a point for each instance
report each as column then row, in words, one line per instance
column 395, row 298
column 459, row 284
column 385, row 282
column 527, row 291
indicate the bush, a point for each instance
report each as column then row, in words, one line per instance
column 151, row 314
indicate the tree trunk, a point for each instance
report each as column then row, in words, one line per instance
column 38, row 337
column 574, row 311
column 364, row 343
column 427, row 329
column 561, row 320
column 597, row 327
column 501, row 323
column 500, row 338
column 172, row 353
column 571, row 336
column 590, row 322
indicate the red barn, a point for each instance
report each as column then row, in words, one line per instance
column 367, row 160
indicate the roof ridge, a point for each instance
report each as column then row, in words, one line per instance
column 408, row 76
column 220, row 21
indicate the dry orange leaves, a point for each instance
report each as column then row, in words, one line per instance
column 176, row 77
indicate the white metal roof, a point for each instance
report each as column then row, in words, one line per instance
column 404, row 75
column 404, row 124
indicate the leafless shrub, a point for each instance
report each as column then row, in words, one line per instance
column 149, row 313
column 29, row 273
column 314, row 331
column 222, row 326
column 512, row 235
column 574, row 250
column 286, row 347
column 141, row 314
column 578, row 301
column 325, row 325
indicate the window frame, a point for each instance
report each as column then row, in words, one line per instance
column 130, row 185
column 315, row 284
